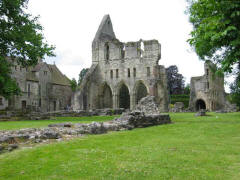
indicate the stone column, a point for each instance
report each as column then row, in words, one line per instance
column 115, row 101
column 132, row 101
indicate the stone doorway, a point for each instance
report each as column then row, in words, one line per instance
column 141, row 91
column 124, row 97
column 200, row 104
column 24, row 105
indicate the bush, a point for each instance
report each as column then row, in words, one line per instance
column 180, row 98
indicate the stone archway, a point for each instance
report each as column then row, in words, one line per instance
column 124, row 97
column 200, row 104
column 140, row 91
column 105, row 96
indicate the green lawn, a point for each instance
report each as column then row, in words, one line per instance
column 190, row 148
column 10, row 125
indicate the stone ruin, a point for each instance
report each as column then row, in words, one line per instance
column 122, row 73
column 146, row 114
column 207, row 92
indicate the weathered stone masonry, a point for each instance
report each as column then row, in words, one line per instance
column 44, row 88
column 207, row 91
column 122, row 73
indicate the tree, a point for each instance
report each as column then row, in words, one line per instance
column 187, row 89
column 73, row 83
column 21, row 39
column 216, row 31
column 235, row 90
column 82, row 74
column 175, row 80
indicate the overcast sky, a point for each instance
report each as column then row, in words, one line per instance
column 71, row 25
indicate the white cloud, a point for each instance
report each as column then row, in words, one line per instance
column 71, row 26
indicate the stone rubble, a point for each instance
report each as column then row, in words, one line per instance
column 148, row 105
column 128, row 121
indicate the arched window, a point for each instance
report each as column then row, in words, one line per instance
column 134, row 72
column 142, row 49
column 106, row 51
column 111, row 74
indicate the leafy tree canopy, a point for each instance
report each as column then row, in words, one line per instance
column 73, row 83
column 175, row 80
column 82, row 74
column 216, row 33
column 21, row 39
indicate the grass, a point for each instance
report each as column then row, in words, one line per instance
column 11, row 125
column 190, row 148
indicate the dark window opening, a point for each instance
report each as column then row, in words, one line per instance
column 1, row 101
column 116, row 73
column 39, row 90
column 29, row 90
column 129, row 72
column 111, row 74
column 106, row 51
column 123, row 52
column 134, row 72
column 54, row 105
column 45, row 72
column 40, row 102
column 148, row 71
column 16, row 68
column 207, row 85
column 207, row 72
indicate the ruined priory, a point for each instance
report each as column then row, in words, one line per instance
column 120, row 75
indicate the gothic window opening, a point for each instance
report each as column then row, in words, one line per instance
column 111, row 74
column 129, row 72
column 123, row 52
column 39, row 89
column 141, row 49
column 29, row 90
column 207, row 72
column 40, row 102
column 134, row 72
column 116, row 73
column 106, row 51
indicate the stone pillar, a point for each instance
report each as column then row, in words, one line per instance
column 115, row 101
column 132, row 101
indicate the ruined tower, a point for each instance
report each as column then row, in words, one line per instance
column 207, row 91
column 122, row 73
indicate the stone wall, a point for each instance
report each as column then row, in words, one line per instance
column 207, row 91
column 44, row 88
column 121, row 69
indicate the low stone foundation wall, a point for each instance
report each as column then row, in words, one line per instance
column 10, row 140
column 18, row 115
